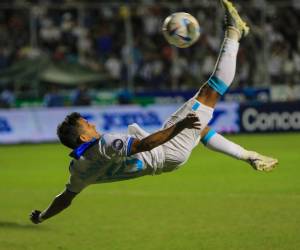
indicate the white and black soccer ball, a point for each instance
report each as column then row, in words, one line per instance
column 181, row 29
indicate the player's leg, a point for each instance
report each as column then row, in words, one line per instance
column 217, row 142
column 223, row 75
column 208, row 95
column 204, row 101
column 225, row 67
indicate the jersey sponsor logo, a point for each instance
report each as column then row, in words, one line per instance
column 253, row 120
column 4, row 126
column 118, row 144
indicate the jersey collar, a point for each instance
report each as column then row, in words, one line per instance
column 80, row 150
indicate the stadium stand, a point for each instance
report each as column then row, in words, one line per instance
column 91, row 35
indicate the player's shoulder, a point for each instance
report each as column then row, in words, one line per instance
column 109, row 138
column 115, row 144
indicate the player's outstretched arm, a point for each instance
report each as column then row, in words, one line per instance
column 60, row 202
column 219, row 143
column 191, row 121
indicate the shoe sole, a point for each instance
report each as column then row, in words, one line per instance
column 269, row 166
column 244, row 29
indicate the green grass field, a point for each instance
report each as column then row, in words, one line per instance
column 213, row 202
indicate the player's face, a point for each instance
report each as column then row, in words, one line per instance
column 87, row 130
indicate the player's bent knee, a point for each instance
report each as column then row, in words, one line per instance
column 208, row 96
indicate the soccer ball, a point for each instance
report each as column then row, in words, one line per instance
column 181, row 29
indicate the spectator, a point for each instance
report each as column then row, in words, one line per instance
column 53, row 98
column 81, row 97
column 114, row 66
column 50, row 35
column 7, row 98
column 92, row 37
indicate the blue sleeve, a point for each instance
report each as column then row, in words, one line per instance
column 130, row 141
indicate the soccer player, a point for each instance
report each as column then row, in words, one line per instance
column 99, row 158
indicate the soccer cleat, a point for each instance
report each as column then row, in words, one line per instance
column 233, row 19
column 261, row 162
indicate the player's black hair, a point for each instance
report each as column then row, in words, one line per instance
column 68, row 131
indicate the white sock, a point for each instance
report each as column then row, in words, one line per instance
column 217, row 142
column 225, row 68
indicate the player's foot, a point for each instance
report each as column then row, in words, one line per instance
column 233, row 19
column 261, row 162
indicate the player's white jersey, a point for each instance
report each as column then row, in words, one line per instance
column 107, row 160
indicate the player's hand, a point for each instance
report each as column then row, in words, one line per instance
column 191, row 121
column 35, row 216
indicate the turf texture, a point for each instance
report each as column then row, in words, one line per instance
column 213, row 202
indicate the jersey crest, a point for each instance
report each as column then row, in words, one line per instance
column 118, row 144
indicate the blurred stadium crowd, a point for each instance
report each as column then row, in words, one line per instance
column 126, row 44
